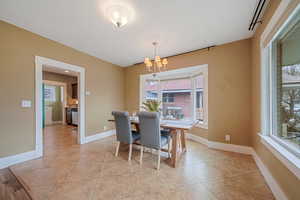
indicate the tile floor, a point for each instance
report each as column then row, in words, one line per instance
column 91, row 172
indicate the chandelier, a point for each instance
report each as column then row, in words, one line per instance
column 158, row 64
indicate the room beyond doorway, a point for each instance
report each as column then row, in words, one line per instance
column 60, row 108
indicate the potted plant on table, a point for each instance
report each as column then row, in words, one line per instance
column 152, row 106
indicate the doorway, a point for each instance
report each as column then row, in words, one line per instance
column 55, row 98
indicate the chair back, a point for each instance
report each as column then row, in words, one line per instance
column 123, row 126
column 150, row 129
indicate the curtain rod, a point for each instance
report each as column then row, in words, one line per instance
column 165, row 78
column 256, row 15
column 208, row 48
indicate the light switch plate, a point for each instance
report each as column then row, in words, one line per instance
column 26, row 104
column 87, row 93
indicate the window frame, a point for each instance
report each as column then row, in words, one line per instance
column 189, row 72
column 288, row 154
column 169, row 96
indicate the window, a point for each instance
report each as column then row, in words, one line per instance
column 49, row 93
column 168, row 97
column 181, row 93
column 151, row 90
column 199, row 80
column 180, row 106
column 282, row 84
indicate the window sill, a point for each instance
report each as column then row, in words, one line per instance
column 291, row 161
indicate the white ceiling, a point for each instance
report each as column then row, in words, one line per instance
column 178, row 25
column 56, row 70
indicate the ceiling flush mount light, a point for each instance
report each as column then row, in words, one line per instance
column 158, row 64
column 119, row 15
column 67, row 71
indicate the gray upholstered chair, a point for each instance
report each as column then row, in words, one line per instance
column 124, row 132
column 151, row 136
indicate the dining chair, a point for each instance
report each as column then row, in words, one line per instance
column 124, row 132
column 151, row 136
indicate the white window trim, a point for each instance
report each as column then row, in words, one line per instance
column 280, row 149
column 204, row 124
column 203, row 69
column 281, row 153
column 275, row 18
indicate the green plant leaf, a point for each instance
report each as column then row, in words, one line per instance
column 151, row 105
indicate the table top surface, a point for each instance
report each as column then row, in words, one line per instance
column 165, row 124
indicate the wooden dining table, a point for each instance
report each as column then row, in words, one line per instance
column 178, row 134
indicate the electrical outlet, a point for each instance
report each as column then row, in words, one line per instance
column 104, row 128
column 227, row 138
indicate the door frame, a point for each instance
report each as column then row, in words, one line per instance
column 39, row 62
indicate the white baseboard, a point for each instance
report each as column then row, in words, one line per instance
column 196, row 138
column 54, row 123
column 57, row 122
column 221, row 146
column 15, row 159
column 99, row 136
column 272, row 183
column 230, row 147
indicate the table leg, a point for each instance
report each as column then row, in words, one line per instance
column 174, row 153
column 179, row 142
column 183, row 141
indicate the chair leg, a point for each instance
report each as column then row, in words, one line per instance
column 158, row 162
column 141, row 155
column 130, row 152
column 169, row 149
column 117, row 149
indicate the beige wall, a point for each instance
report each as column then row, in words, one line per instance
column 287, row 181
column 229, row 69
column 18, row 49
column 69, row 80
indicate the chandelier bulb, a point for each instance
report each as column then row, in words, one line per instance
column 164, row 61
column 157, row 59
